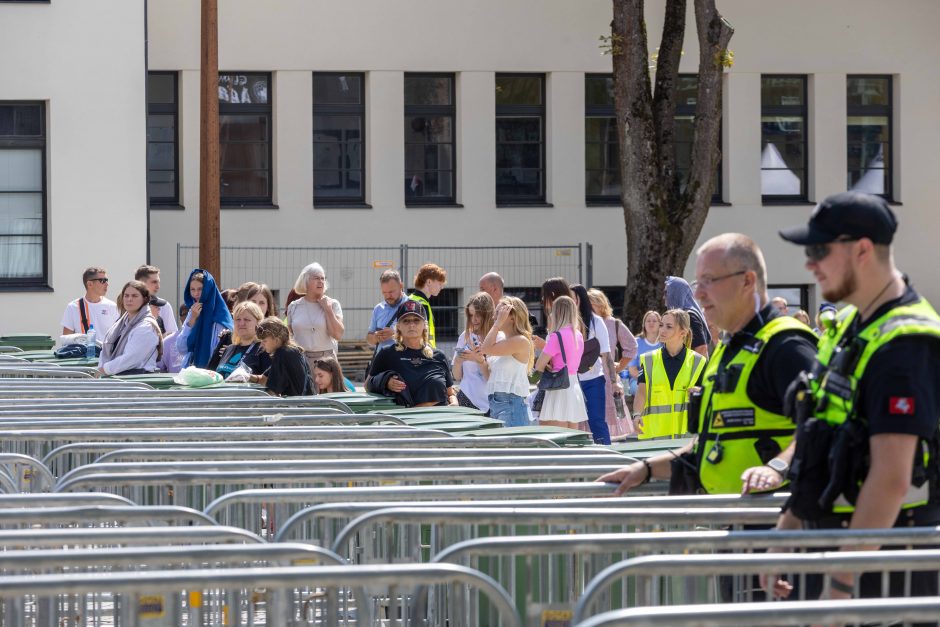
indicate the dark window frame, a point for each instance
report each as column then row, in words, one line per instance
column 597, row 111
column 173, row 110
column 801, row 111
column 689, row 110
column 437, row 111
column 510, row 111
column 347, row 110
column 877, row 110
column 40, row 142
column 251, row 109
column 804, row 288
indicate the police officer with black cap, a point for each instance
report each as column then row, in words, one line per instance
column 871, row 402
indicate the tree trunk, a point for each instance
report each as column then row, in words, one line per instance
column 662, row 223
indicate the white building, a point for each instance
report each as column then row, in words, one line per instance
column 355, row 127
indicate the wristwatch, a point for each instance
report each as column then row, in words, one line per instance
column 779, row 465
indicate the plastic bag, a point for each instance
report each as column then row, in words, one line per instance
column 239, row 375
column 197, row 377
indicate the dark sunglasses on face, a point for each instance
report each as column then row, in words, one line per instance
column 100, row 280
column 818, row 252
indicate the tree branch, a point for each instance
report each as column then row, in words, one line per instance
column 664, row 100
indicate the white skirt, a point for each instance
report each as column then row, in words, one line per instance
column 565, row 405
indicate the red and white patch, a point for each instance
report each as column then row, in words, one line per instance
column 903, row 405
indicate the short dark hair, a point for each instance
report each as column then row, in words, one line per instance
column 90, row 272
column 144, row 272
column 390, row 275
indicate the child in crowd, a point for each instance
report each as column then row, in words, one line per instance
column 328, row 375
column 288, row 374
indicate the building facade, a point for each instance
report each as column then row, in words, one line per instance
column 472, row 133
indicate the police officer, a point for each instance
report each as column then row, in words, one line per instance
column 739, row 415
column 873, row 398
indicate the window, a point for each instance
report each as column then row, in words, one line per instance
column 869, row 134
column 162, row 145
column 245, row 138
column 796, row 295
column 601, row 144
column 520, row 139
column 22, row 195
column 429, row 139
column 338, row 139
column 686, row 99
column 783, row 138
column 447, row 309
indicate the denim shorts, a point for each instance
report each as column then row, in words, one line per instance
column 509, row 408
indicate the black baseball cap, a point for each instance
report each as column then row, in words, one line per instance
column 411, row 307
column 851, row 214
column 156, row 301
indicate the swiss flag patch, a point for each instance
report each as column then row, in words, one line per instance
column 903, row 405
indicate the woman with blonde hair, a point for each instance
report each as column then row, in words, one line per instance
column 315, row 320
column 624, row 348
column 662, row 390
column 243, row 347
column 511, row 358
column 646, row 341
column 469, row 363
column 409, row 370
column 564, row 347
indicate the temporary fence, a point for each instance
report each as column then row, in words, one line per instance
column 103, row 537
column 854, row 611
column 645, row 573
column 27, row 473
column 154, row 406
column 281, row 596
column 102, row 516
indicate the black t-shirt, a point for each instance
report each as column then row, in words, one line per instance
column 427, row 378
column 898, row 392
column 699, row 329
column 225, row 340
column 785, row 356
column 672, row 366
column 253, row 357
column 288, row 374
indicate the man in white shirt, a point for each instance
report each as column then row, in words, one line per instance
column 92, row 308
column 150, row 276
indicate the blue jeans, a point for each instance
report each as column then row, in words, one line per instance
column 595, row 402
column 509, row 408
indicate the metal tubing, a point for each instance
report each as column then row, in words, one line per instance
column 264, row 401
column 125, row 514
column 828, row 562
column 131, row 536
column 852, row 611
column 52, row 499
column 34, row 470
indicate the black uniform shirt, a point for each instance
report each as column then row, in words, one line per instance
column 786, row 355
column 898, row 392
column 672, row 365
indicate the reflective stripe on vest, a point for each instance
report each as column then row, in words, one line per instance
column 427, row 306
column 734, row 419
column 665, row 411
column 918, row 318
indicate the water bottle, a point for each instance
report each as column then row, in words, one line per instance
column 91, row 349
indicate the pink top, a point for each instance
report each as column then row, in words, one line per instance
column 574, row 348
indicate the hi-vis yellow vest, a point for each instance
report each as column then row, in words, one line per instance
column 734, row 420
column 420, row 299
column 834, row 396
column 666, row 411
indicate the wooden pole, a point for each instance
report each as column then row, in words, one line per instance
column 209, row 184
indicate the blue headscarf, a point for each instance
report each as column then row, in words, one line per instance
column 679, row 296
column 214, row 310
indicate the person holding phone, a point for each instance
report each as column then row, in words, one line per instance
column 381, row 331
column 469, row 364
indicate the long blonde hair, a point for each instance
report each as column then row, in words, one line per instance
column 564, row 314
column 646, row 316
column 683, row 322
column 484, row 306
column 427, row 351
column 599, row 299
column 519, row 315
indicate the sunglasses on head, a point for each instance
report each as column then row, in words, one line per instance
column 818, row 252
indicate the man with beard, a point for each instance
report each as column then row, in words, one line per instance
column 867, row 440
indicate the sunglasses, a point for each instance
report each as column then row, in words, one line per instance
column 100, row 280
column 818, row 252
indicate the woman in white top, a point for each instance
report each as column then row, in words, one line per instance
column 510, row 360
column 469, row 364
column 316, row 320
column 133, row 344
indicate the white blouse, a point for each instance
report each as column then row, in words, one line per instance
column 308, row 322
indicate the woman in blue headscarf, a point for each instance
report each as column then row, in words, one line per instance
column 679, row 296
column 208, row 316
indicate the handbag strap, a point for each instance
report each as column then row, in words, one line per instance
column 561, row 343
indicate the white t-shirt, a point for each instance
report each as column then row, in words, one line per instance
column 308, row 323
column 169, row 318
column 102, row 315
column 472, row 384
column 599, row 330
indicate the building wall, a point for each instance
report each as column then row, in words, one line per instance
column 85, row 60
column 293, row 38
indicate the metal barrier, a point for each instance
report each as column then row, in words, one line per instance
column 321, row 523
column 98, row 537
column 158, row 405
column 39, row 372
column 855, row 611
column 28, row 473
column 557, row 567
column 76, row 395
column 103, row 515
column 52, row 499
column 643, row 570
column 191, row 418
column 285, row 590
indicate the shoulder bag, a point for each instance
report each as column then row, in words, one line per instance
column 556, row 380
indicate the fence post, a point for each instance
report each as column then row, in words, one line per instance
column 589, row 265
column 403, row 263
column 176, row 297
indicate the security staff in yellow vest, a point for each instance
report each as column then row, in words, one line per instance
column 429, row 281
column 873, row 399
column 739, row 419
column 661, row 402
